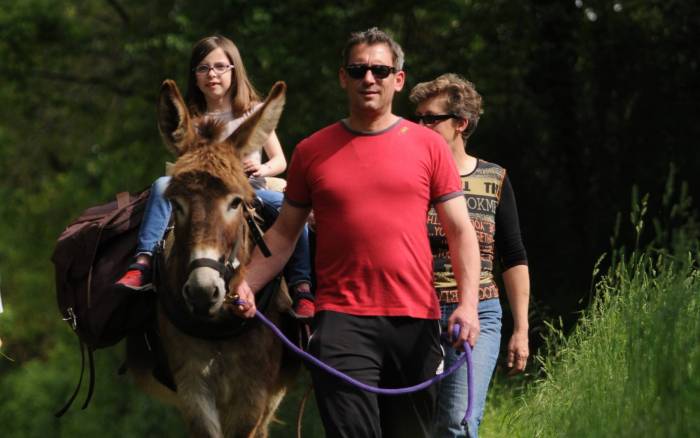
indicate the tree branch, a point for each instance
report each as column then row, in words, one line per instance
column 120, row 11
column 100, row 81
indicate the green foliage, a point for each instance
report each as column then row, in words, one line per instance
column 631, row 366
column 32, row 392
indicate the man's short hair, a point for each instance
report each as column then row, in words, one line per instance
column 462, row 98
column 371, row 37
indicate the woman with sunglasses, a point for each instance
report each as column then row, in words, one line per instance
column 218, row 88
column 451, row 106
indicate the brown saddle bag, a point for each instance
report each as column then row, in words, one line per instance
column 90, row 255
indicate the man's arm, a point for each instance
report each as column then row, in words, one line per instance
column 466, row 264
column 517, row 283
column 281, row 239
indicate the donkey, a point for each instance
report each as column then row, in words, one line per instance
column 225, row 386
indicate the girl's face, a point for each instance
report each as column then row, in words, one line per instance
column 215, row 86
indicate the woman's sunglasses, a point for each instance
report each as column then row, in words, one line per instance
column 358, row 71
column 431, row 119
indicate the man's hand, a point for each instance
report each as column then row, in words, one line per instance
column 518, row 352
column 468, row 319
column 247, row 308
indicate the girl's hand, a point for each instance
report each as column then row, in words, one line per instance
column 311, row 221
column 251, row 168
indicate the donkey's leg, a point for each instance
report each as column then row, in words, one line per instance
column 249, row 414
column 269, row 414
column 198, row 409
column 242, row 422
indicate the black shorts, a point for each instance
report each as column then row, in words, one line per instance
column 388, row 352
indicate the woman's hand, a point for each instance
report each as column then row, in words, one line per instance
column 518, row 352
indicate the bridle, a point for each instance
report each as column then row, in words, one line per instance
column 227, row 269
column 173, row 302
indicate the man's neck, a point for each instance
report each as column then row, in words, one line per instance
column 371, row 122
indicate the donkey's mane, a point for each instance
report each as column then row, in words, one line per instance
column 210, row 156
column 210, row 130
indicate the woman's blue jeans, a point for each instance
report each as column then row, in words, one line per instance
column 452, row 397
column 156, row 217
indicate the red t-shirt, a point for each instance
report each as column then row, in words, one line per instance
column 370, row 194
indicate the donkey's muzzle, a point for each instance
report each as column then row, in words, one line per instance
column 202, row 300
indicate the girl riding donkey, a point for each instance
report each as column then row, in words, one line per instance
column 218, row 88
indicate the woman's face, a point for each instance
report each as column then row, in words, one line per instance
column 437, row 106
column 215, row 86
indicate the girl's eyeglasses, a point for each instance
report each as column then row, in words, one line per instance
column 219, row 68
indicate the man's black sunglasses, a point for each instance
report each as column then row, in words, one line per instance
column 431, row 119
column 358, row 71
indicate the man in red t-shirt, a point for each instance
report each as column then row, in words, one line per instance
column 370, row 180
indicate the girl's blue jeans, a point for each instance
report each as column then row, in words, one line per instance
column 157, row 216
column 452, row 397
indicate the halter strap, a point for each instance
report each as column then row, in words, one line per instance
column 228, row 270
column 255, row 230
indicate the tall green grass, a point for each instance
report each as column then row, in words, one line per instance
column 631, row 367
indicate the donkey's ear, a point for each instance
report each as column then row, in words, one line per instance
column 254, row 132
column 174, row 119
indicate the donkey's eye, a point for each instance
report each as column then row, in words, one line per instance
column 179, row 209
column 177, row 206
column 235, row 203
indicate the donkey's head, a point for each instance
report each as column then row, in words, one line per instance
column 210, row 193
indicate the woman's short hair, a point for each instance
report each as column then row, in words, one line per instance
column 462, row 98
column 243, row 94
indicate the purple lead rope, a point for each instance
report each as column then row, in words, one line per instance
column 467, row 357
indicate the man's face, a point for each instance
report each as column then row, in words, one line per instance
column 371, row 94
